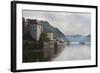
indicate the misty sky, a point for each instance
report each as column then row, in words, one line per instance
column 67, row 22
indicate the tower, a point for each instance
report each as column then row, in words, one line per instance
column 35, row 28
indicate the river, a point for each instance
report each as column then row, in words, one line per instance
column 74, row 52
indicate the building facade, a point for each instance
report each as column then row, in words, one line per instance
column 35, row 28
column 50, row 35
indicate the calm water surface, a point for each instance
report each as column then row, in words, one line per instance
column 74, row 52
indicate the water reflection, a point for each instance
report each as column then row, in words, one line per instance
column 74, row 52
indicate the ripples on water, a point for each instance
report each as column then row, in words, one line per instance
column 74, row 52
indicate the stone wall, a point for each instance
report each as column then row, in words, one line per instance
column 48, row 50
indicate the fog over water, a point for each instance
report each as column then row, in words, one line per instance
column 74, row 52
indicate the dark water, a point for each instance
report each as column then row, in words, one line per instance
column 74, row 52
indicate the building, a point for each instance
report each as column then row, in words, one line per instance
column 60, row 39
column 48, row 50
column 34, row 27
column 50, row 35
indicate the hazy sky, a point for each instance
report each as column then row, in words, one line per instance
column 67, row 22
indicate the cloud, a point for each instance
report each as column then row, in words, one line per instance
column 68, row 23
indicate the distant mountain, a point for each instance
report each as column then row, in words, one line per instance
column 78, row 38
column 49, row 28
column 87, row 38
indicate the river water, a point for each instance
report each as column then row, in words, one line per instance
column 74, row 52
